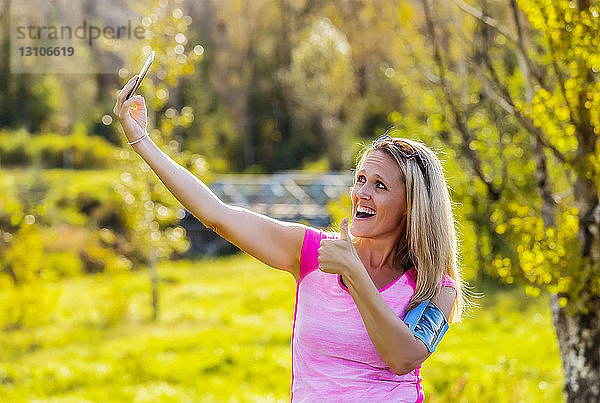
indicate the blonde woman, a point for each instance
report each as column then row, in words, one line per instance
column 372, row 302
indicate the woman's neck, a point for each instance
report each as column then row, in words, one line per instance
column 376, row 254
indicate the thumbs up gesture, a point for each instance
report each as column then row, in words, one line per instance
column 338, row 256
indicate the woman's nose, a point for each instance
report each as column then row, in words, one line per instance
column 362, row 193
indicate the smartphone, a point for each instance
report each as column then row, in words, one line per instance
column 141, row 76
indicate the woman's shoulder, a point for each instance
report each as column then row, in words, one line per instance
column 313, row 237
column 447, row 281
column 312, row 234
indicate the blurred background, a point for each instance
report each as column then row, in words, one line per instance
column 111, row 291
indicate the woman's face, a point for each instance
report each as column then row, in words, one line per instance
column 378, row 198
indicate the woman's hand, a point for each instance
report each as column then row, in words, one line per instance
column 131, row 113
column 338, row 256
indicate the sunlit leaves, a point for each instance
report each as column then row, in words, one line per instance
column 167, row 27
column 471, row 112
column 151, row 211
column 547, row 257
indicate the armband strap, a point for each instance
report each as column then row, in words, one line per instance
column 428, row 323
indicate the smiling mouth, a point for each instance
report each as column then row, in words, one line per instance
column 364, row 213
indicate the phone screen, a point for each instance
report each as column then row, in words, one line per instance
column 142, row 74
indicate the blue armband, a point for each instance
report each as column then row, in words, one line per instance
column 428, row 323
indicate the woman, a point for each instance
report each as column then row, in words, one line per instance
column 369, row 308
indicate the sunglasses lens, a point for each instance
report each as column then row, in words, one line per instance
column 382, row 141
column 406, row 149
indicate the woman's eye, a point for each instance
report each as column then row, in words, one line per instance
column 380, row 185
column 360, row 178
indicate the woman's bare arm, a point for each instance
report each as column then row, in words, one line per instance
column 273, row 242
column 394, row 342
column 392, row 339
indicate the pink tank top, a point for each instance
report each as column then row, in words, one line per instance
column 333, row 358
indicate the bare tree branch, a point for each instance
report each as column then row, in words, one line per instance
column 459, row 120
column 534, row 70
column 559, row 74
column 524, row 121
column 542, row 176
column 505, row 101
column 494, row 96
column 543, row 180
column 503, row 161
column 427, row 73
column 486, row 19
column 517, row 40
column 585, row 135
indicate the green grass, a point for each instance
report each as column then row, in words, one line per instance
column 224, row 335
column 507, row 352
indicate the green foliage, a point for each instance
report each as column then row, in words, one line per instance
column 321, row 79
column 150, row 212
column 506, row 352
column 339, row 209
column 211, row 133
column 27, row 305
column 514, row 112
column 80, row 222
column 25, row 270
column 547, row 258
column 224, row 335
column 13, row 148
column 24, row 257
column 319, row 166
column 19, row 148
column 98, row 253
column 146, row 208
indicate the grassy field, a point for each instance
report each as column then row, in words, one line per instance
column 224, row 335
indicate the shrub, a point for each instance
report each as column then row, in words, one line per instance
column 55, row 151
column 26, row 305
column 13, row 148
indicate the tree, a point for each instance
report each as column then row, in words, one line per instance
column 513, row 86
column 151, row 210
column 321, row 80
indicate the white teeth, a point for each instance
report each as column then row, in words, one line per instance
column 361, row 209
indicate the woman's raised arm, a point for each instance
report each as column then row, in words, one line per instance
column 273, row 242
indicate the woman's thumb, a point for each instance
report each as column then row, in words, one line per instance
column 344, row 234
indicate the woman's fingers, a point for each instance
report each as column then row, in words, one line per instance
column 133, row 115
column 137, row 110
column 124, row 91
column 131, row 102
column 127, row 88
column 131, row 112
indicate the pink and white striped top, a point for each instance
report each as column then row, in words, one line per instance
column 333, row 358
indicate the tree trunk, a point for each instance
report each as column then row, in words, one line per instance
column 578, row 330
column 579, row 341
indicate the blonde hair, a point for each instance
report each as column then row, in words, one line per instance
column 430, row 238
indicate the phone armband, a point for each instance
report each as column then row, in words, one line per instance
column 427, row 323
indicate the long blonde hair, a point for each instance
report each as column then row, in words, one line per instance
column 430, row 243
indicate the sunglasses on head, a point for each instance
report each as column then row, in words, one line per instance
column 406, row 150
